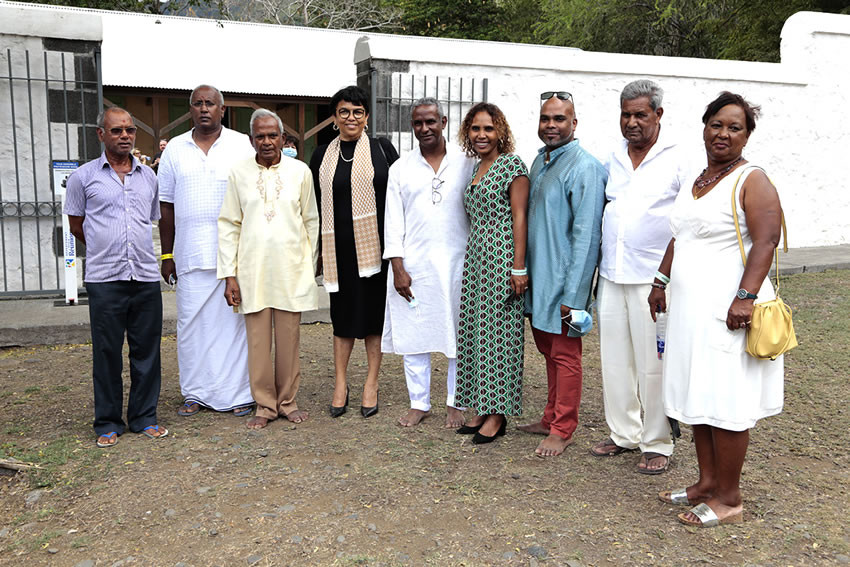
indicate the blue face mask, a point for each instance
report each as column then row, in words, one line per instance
column 580, row 321
column 290, row 152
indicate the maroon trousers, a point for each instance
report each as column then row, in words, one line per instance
column 563, row 370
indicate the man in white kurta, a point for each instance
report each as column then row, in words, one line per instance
column 268, row 233
column 646, row 170
column 212, row 352
column 425, row 232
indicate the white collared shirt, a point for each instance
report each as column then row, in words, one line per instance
column 635, row 225
column 196, row 182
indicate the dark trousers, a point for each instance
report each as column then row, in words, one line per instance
column 116, row 307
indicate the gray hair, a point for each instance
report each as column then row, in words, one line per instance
column 212, row 88
column 428, row 101
column 101, row 116
column 641, row 88
column 262, row 113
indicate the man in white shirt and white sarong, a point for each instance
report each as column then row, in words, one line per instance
column 425, row 232
column 212, row 351
column 646, row 170
column 268, row 235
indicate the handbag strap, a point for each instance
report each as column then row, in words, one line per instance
column 738, row 226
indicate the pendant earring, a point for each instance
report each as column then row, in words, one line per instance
column 366, row 128
column 335, row 127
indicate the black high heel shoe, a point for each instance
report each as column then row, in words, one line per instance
column 337, row 411
column 370, row 411
column 468, row 429
column 479, row 439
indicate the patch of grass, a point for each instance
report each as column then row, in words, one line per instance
column 43, row 539
column 33, row 390
column 61, row 389
column 51, row 456
column 18, row 429
column 82, row 541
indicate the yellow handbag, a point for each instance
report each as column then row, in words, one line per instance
column 771, row 331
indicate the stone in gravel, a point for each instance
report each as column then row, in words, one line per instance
column 232, row 461
column 508, row 555
column 218, row 514
column 52, row 550
column 215, row 439
column 269, row 515
column 340, row 539
column 354, row 516
column 118, row 563
column 29, row 526
column 4, row 532
column 196, row 526
column 213, row 532
column 180, row 564
column 842, row 559
column 85, row 563
column 264, row 453
column 573, row 563
column 316, row 462
column 296, row 539
column 196, row 465
column 372, row 527
column 321, row 539
column 253, row 559
column 242, row 484
column 515, row 476
column 533, row 562
column 537, row 551
column 171, row 512
column 203, row 489
column 236, row 447
column 33, row 497
column 287, row 508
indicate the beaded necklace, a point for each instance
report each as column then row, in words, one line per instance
column 701, row 182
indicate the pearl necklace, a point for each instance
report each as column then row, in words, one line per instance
column 342, row 157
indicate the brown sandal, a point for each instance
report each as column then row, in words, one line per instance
column 597, row 451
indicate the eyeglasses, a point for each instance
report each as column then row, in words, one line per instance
column 358, row 113
column 117, row 131
column 563, row 95
column 436, row 196
column 202, row 103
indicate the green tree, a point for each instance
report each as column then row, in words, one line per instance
column 467, row 19
column 174, row 7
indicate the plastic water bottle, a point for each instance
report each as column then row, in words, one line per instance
column 660, row 332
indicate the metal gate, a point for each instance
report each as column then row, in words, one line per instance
column 50, row 95
column 393, row 94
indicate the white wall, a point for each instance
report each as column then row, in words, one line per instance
column 802, row 138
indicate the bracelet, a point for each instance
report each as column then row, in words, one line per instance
column 522, row 272
column 659, row 285
column 662, row 278
column 167, row 257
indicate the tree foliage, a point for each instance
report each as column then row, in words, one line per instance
column 361, row 15
column 173, row 7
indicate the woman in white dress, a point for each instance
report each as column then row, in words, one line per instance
column 710, row 382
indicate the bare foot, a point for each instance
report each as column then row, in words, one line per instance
column 297, row 416
column 257, row 422
column 552, row 446
column 537, row 428
column 454, row 418
column 413, row 417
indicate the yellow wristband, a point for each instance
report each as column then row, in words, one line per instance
column 167, row 257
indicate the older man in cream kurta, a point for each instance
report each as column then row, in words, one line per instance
column 425, row 232
column 268, row 233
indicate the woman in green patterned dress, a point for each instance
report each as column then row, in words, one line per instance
column 491, row 333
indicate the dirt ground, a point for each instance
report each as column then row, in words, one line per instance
column 351, row 491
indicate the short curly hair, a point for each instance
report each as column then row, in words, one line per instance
column 725, row 98
column 505, row 143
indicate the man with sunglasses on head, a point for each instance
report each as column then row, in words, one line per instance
column 212, row 349
column 565, row 205
column 111, row 203
column 646, row 171
column 425, row 232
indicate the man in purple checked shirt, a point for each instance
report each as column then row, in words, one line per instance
column 111, row 203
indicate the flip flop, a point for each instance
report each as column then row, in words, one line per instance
column 186, row 409
column 613, row 452
column 648, row 456
column 163, row 432
column 243, row 411
column 706, row 518
column 109, row 435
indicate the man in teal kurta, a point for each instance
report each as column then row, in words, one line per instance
column 564, row 230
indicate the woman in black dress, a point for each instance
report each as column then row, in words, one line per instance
column 350, row 177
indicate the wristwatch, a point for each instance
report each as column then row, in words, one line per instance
column 744, row 294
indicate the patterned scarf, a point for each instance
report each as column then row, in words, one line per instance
column 367, row 243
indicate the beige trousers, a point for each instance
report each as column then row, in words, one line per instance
column 274, row 386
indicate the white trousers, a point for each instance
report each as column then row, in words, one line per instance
column 212, row 348
column 631, row 371
column 417, row 372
